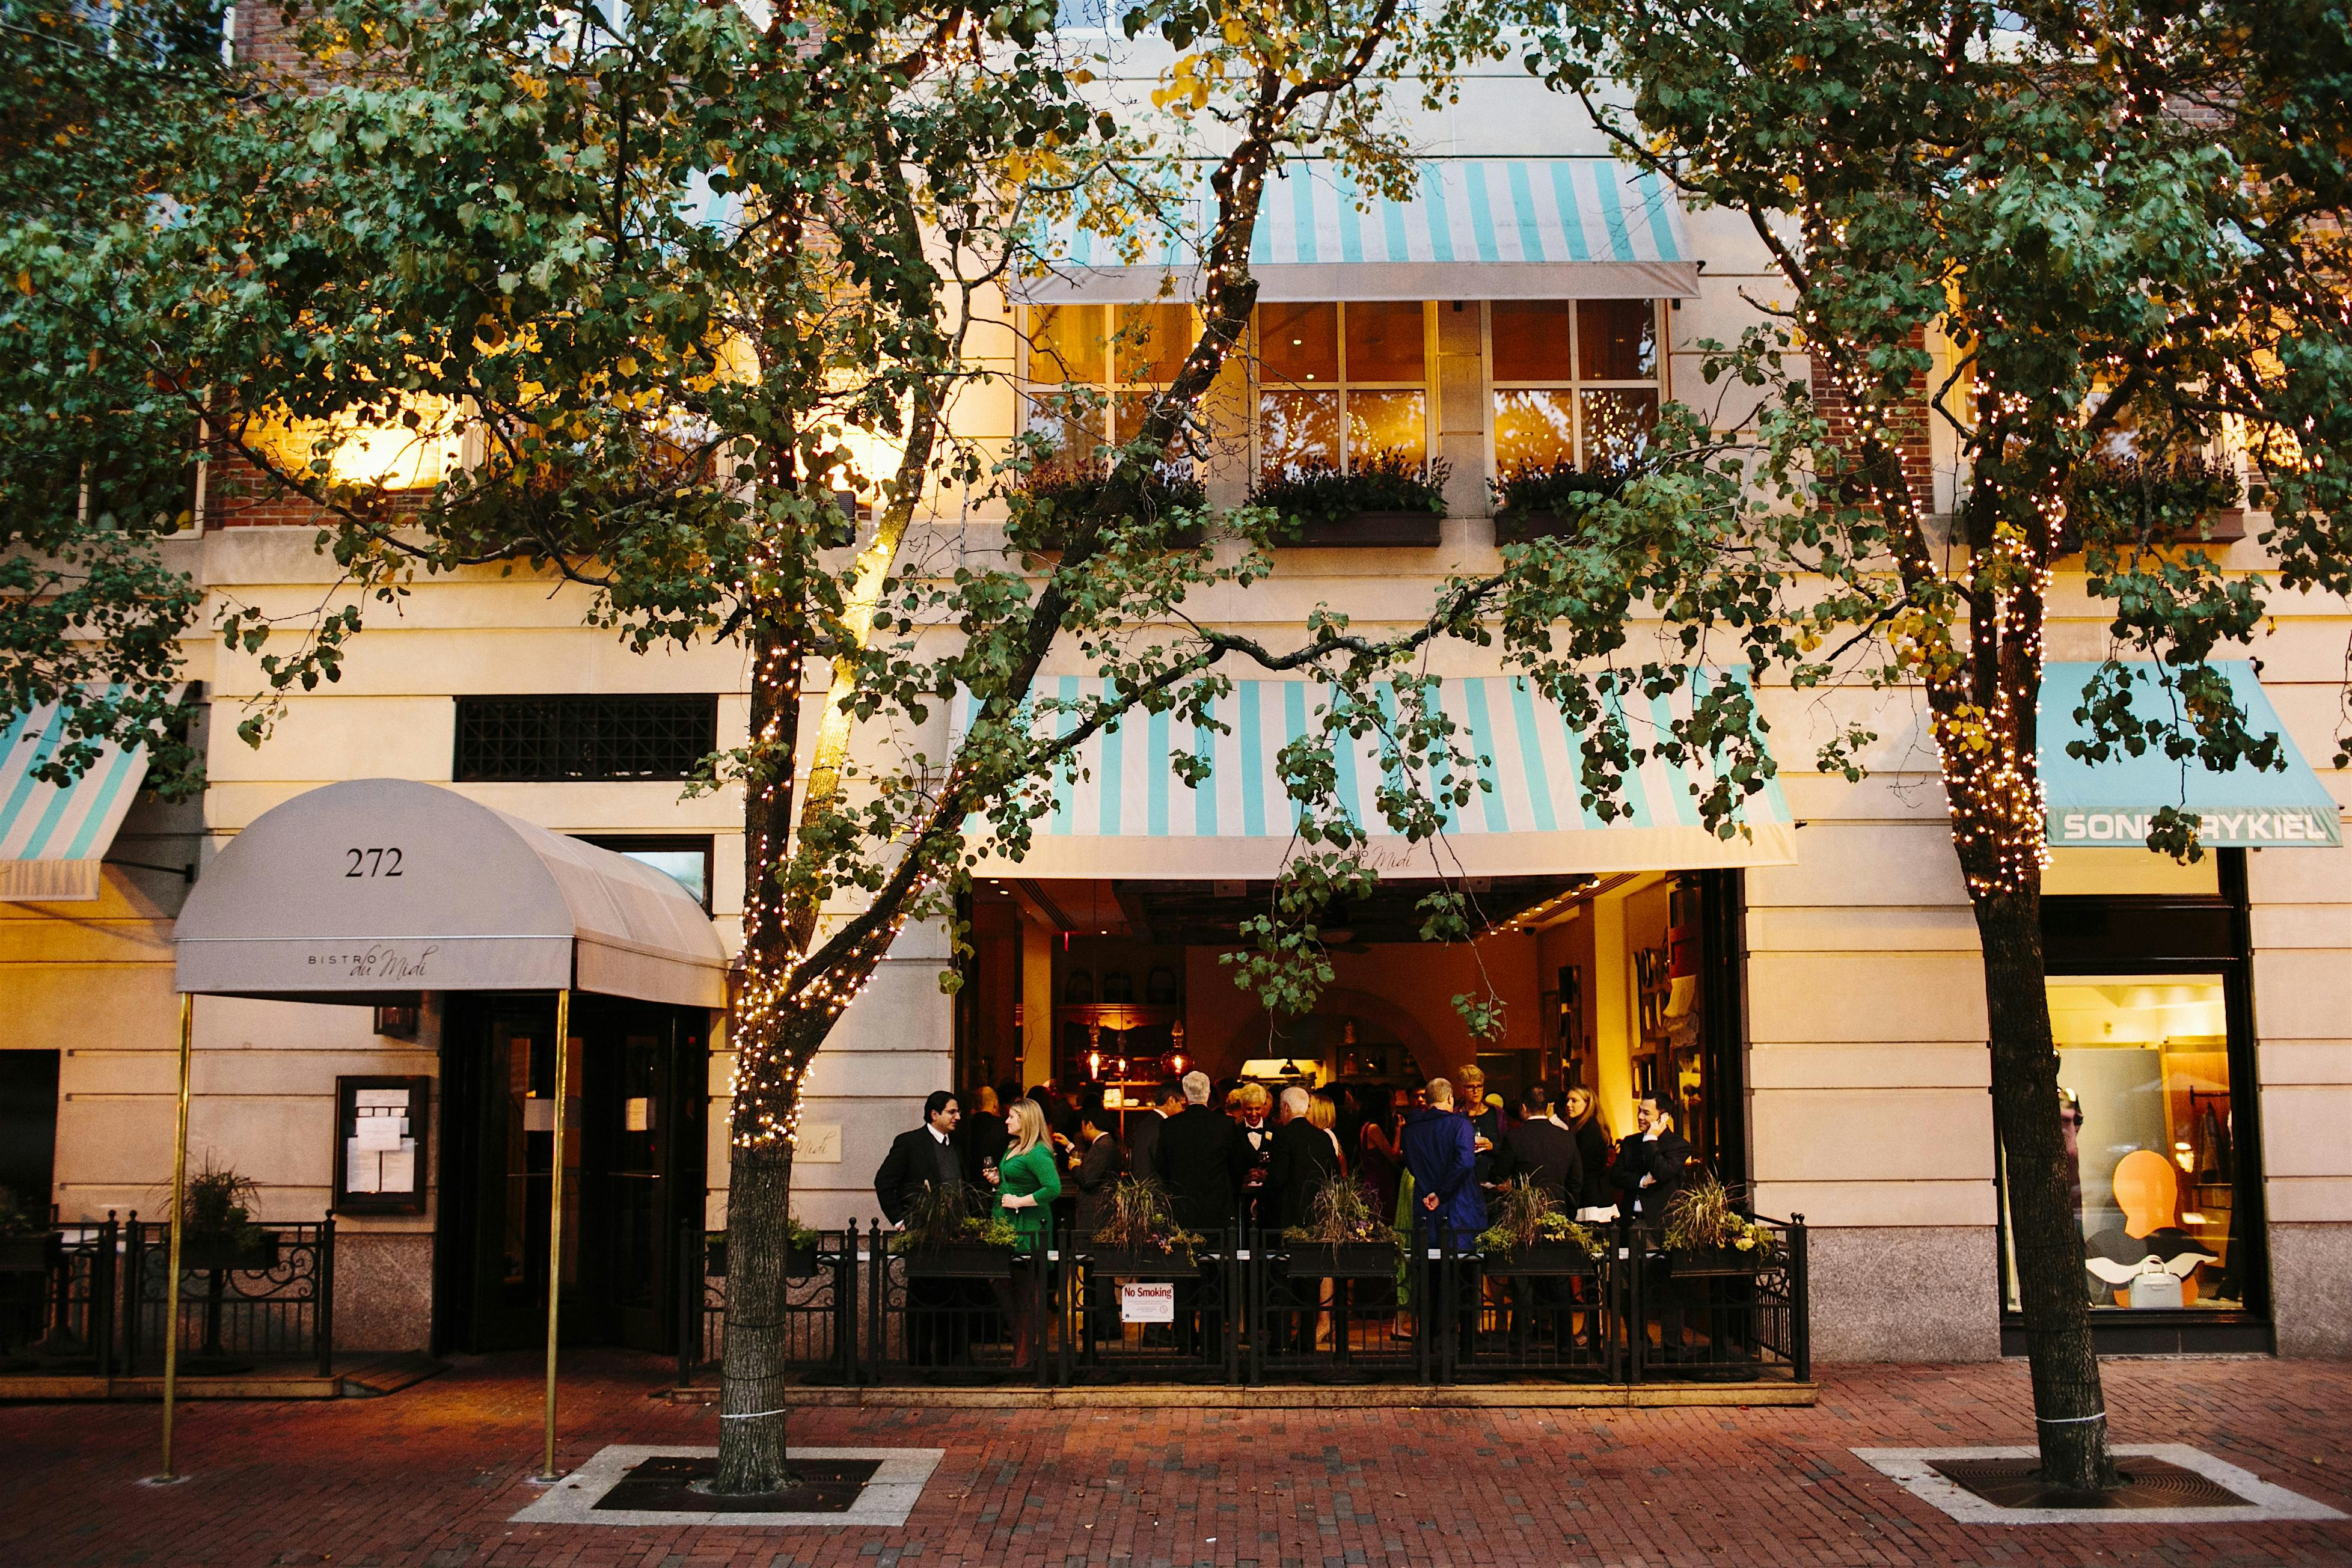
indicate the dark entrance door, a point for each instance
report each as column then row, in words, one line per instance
column 635, row 1075
column 28, row 1128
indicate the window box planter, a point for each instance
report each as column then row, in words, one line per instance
column 36, row 1253
column 1342, row 1261
column 227, row 1253
column 960, row 1260
column 1365, row 530
column 801, row 1259
column 1548, row 1260
column 1146, row 1263
column 1718, row 1260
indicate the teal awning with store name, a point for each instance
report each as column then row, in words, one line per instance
column 2111, row 805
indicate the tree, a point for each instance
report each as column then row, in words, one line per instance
column 678, row 275
column 96, row 457
column 2125, row 222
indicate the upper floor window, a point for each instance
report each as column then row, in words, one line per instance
column 1092, row 369
column 547, row 739
column 683, row 857
column 1338, row 383
column 1575, row 382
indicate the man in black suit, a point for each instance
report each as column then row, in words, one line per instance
column 1143, row 1128
column 924, row 1161
column 1542, row 1152
column 1202, row 1162
column 921, row 1160
column 1304, row 1156
column 1652, row 1166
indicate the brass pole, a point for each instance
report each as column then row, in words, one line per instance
column 555, row 1217
column 179, row 1206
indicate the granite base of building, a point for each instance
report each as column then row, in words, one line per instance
column 384, row 1289
column 2310, row 1290
column 1905, row 1293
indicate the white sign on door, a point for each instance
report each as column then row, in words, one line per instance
column 1146, row 1302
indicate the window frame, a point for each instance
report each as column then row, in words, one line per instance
column 631, row 844
column 1577, row 385
column 1427, row 385
column 555, row 704
column 1032, row 392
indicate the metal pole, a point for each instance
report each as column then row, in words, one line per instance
column 556, row 1216
column 179, row 1204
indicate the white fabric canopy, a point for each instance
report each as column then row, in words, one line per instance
column 387, row 886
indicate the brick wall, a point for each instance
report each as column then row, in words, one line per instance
column 1908, row 421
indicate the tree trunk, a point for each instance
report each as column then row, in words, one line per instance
column 752, row 1419
column 2044, row 1230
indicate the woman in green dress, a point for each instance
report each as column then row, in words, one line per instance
column 1027, row 1183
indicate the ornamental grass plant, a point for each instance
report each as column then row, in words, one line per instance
column 1137, row 1218
column 1704, row 1217
column 1526, row 1216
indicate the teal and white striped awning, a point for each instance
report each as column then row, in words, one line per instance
column 1127, row 814
column 53, row 838
column 1476, row 229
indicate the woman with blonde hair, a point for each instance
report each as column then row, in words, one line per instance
column 1596, row 1200
column 1027, row 1183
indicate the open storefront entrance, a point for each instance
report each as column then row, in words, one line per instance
column 1625, row 984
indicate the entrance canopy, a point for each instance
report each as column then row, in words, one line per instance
column 385, row 887
column 1494, row 228
column 1126, row 815
column 53, row 838
column 2110, row 805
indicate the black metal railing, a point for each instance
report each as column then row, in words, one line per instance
column 240, row 1305
column 820, row 1306
column 1250, row 1308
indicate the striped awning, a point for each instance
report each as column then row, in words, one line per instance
column 1127, row 814
column 1492, row 228
column 52, row 837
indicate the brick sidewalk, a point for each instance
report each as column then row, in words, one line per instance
column 427, row 1478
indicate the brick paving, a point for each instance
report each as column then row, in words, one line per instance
column 427, row 1478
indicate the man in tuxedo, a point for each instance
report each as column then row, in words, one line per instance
column 1652, row 1164
column 1251, row 1103
column 922, row 1161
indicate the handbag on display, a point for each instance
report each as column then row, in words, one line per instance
column 2155, row 1285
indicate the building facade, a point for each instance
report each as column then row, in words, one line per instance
column 1810, row 998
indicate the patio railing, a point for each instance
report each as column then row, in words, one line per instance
column 1246, row 1308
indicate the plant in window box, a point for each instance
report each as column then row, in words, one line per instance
column 1344, row 1238
column 1547, row 501
column 217, row 1228
column 1384, row 498
column 801, row 1245
column 1705, row 1232
column 1528, row 1233
column 26, row 1245
column 1139, row 1233
column 2126, row 501
column 950, row 1233
column 1172, row 505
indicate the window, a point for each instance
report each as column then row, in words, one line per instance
column 1339, row 384
column 2144, row 1085
column 1119, row 353
column 545, row 740
column 686, row 859
column 1575, row 382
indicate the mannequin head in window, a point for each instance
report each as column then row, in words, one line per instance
column 2148, row 1192
column 2070, row 1121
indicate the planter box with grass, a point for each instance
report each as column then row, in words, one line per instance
column 229, row 1253
column 959, row 1260
column 1342, row 1259
column 35, row 1253
column 1546, row 1259
column 1549, row 502
column 1383, row 502
column 1142, row 1263
column 1052, row 499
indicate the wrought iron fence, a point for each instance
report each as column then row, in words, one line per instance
column 820, row 1306
column 240, row 1304
column 1247, row 1309
column 1129, row 1316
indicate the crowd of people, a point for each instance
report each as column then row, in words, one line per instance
column 1237, row 1154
